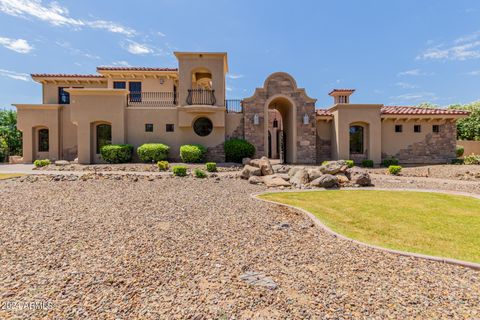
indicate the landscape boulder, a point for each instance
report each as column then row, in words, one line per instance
column 325, row 181
column 255, row 180
column 359, row 176
column 294, row 170
column 264, row 164
column 300, row 178
column 249, row 171
column 275, row 181
column 334, row 167
column 246, row 161
column 314, row 174
column 280, row 168
column 62, row 163
column 342, row 178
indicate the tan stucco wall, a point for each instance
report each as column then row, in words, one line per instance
column 470, row 147
column 50, row 90
column 148, row 84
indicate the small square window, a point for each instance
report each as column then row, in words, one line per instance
column 398, row 128
column 417, row 128
column 119, row 85
column 148, row 127
column 169, row 127
column 436, row 128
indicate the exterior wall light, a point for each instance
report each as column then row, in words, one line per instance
column 256, row 119
column 306, row 120
column 275, row 123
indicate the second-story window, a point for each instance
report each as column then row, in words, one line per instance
column 119, row 85
column 135, row 88
column 63, row 96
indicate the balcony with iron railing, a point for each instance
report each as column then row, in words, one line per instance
column 153, row 99
column 201, row 97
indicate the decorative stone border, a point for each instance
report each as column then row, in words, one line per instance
column 467, row 264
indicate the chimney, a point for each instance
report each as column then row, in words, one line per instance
column 341, row 95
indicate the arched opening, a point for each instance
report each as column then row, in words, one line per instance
column 201, row 91
column 41, row 145
column 280, row 121
column 358, row 141
column 101, row 136
column 43, row 140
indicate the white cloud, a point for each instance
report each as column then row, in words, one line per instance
column 412, row 72
column 463, row 48
column 138, row 48
column 66, row 45
column 57, row 15
column 14, row 75
column 405, row 85
column 229, row 89
column 474, row 73
column 17, row 45
column 418, row 96
column 161, row 34
column 234, row 76
column 122, row 63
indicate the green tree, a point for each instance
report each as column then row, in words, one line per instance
column 9, row 133
column 468, row 128
column 428, row 105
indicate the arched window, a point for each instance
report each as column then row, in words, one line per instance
column 43, row 143
column 203, row 126
column 356, row 139
column 104, row 136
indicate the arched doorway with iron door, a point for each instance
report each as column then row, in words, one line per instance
column 280, row 119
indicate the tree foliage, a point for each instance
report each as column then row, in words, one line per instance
column 9, row 132
column 468, row 128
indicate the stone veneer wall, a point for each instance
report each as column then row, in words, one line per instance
column 238, row 133
column 216, row 154
column 435, row 148
column 324, row 150
column 282, row 84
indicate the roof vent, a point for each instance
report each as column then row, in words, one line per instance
column 341, row 95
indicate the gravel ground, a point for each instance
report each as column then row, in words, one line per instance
column 445, row 171
column 133, row 167
column 174, row 248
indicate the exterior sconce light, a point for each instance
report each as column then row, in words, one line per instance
column 275, row 123
column 162, row 81
column 306, row 120
column 256, row 120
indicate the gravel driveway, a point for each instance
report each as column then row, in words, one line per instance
column 176, row 248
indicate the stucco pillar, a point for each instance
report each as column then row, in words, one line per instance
column 27, row 140
column 84, row 143
column 54, row 142
column 375, row 139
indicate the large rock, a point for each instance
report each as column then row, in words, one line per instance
column 255, row 180
column 294, row 170
column 359, row 176
column 325, row 181
column 280, row 168
column 314, row 174
column 62, row 163
column 334, row 167
column 275, row 181
column 264, row 164
column 246, row 161
column 249, row 171
column 300, row 178
column 342, row 178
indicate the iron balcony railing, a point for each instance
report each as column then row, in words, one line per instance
column 156, row 99
column 234, row 105
column 201, row 97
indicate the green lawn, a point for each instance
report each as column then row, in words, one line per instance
column 429, row 223
column 9, row 175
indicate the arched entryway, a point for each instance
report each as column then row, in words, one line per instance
column 101, row 133
column 294, row 109
column 284, row 111
column 358, row 141
column 41, row 143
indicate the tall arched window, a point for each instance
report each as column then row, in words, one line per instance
column 104, row 136
column 356, row 139
column 43, row 143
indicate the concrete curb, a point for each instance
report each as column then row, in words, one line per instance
column 467, row 264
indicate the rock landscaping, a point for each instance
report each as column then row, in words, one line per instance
column 333, row 174
column 159, row 247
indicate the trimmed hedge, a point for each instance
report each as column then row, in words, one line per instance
column 471, row 159
column 153, row 152
column 179, row 171
column 192, row 153
column 237, row 149
column 41, row 163
column 199, row 173
column 211, row 166
column 367, row 163
column 117, row 153
column 394, row 169
column 163, row 165
column 460, row 150
column 350, row 163
column 391, row 161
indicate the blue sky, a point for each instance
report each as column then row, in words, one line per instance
column 398, row 52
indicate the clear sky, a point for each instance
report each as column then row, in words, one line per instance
column 396, row 52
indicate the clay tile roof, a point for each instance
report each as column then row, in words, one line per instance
column 408, row 110
column 323, row 112
column 64, row 75
column 104, row 68
column 342, row 90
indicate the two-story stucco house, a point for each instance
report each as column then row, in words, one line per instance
column 81, row 113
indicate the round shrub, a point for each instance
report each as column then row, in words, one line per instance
column 153, row 152
column 162, row 165
column 460, row 150
column 41, row 163
column 199, row 173
column 367, row 163
column 394, row 169
column 117, row 153
column 391, row 161
column 192, row 153
column 472, row 159
column 324, row 163
column 237, row 149
column 349, row 163
column 179, row 171
column 211, row 166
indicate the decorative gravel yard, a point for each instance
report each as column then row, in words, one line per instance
column 422, row 222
